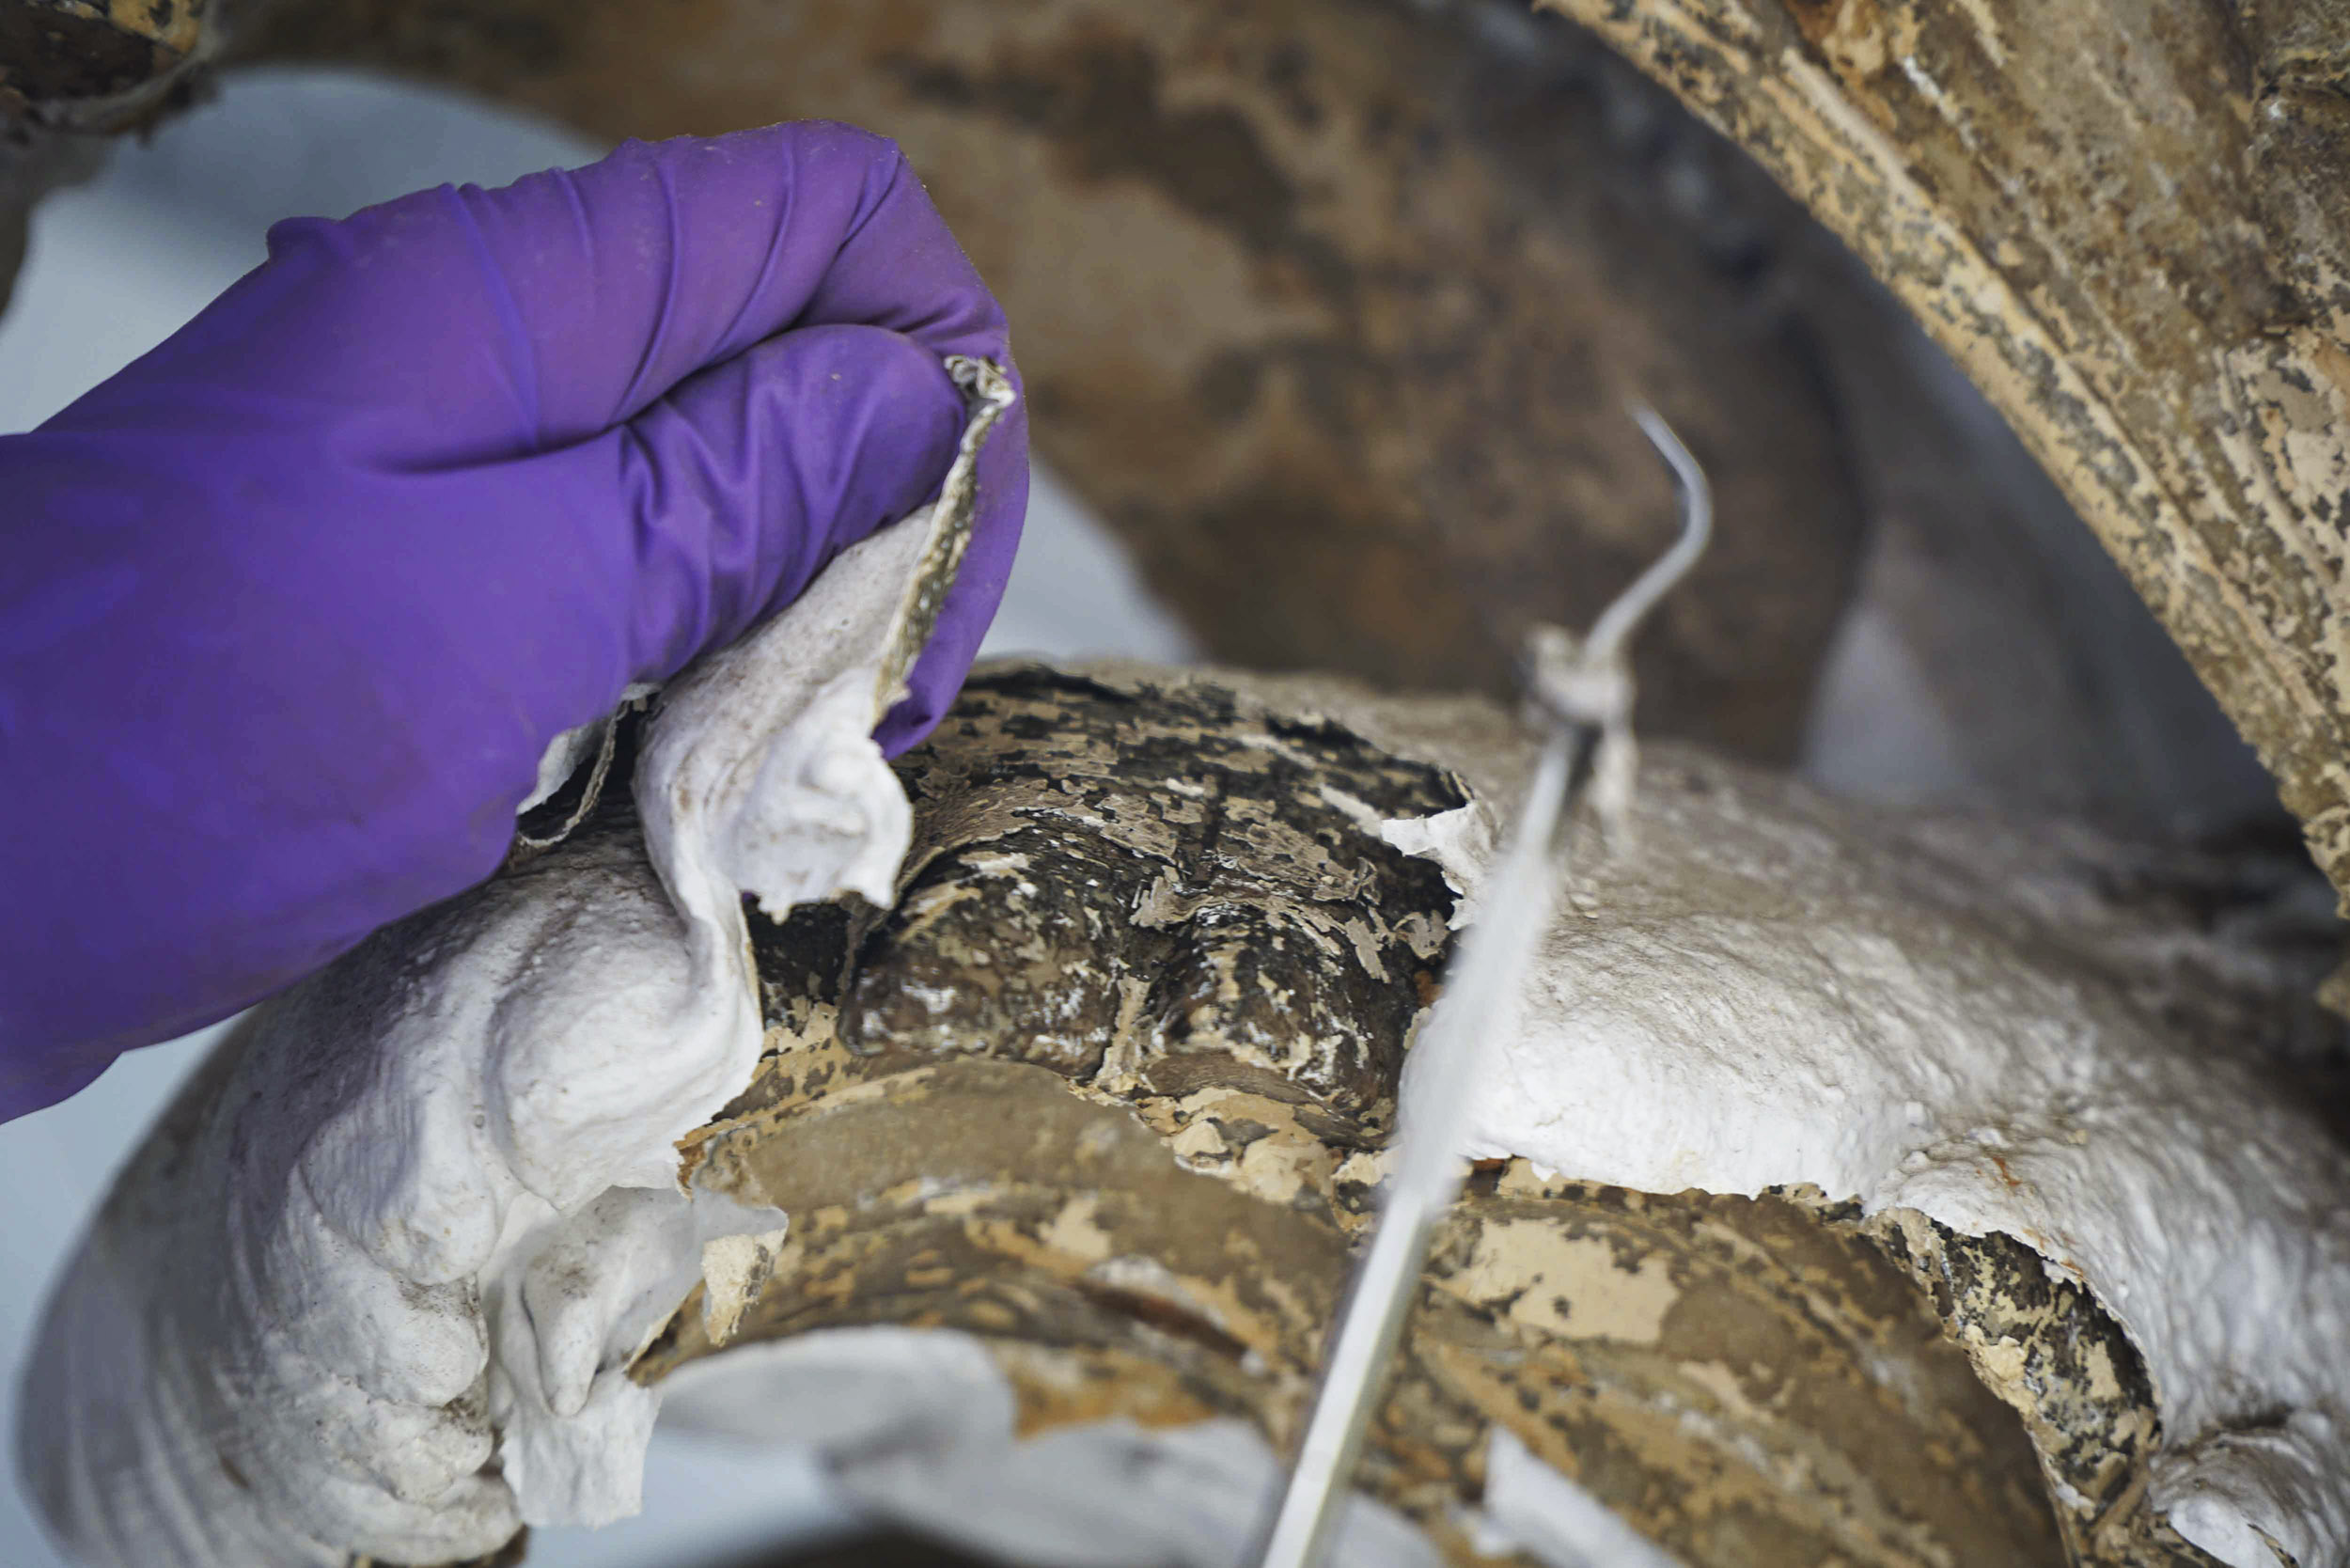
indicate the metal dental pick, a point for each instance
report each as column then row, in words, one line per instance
column 1579, row 701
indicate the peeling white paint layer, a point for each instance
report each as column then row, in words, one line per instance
column 1783, row 1003
column 920, row 1427
column 422, row 1210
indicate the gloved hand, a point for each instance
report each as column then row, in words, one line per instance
column 290, row 607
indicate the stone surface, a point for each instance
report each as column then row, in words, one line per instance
column 1107, row 1087
column 1025, row 1142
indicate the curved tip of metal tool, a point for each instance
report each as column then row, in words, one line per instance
column 1617, row 622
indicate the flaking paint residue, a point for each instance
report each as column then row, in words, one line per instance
column 1578, row 1287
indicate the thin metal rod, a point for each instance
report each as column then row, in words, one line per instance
column 1476, row 1013
column 1477, row 1010
column 1621, row 619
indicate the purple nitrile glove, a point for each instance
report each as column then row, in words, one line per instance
column 291, row 608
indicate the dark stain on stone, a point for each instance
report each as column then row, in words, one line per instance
column 1288, row 71
column 1189, row 884
column 1159, row 1313
column 800, row 960
column 53, row 55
